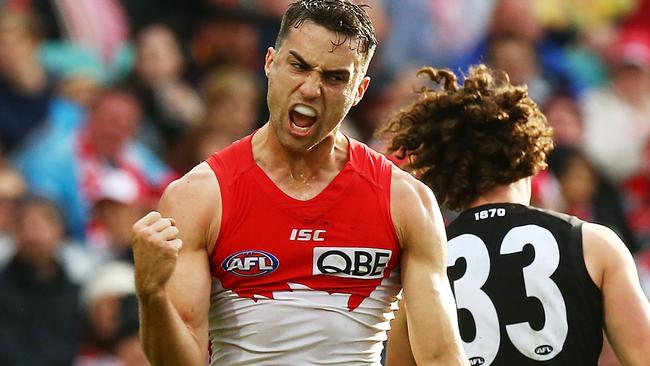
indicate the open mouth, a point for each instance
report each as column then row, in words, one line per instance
column 301, row 119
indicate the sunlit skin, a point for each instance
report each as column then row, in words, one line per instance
column 306, row 70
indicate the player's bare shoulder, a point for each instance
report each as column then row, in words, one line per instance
column 196, row 186
column 413, row 204
column 603, row 250
column 194, row 200
column 408, row 193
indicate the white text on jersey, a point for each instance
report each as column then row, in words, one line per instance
column 307, row 235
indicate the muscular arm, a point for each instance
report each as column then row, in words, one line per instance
column 398, row 348
column 430, row 308
column 172, row 271
column 627, row 312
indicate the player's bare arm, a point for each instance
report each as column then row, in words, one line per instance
column 430, row 310
column 398, row 348
column 172, row 272
column 627, row 312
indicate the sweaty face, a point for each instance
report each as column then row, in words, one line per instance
column 312, row 87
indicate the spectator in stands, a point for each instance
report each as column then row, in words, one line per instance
column 12, row 188
column 225, row 35
column 39, row 305
column 232, row 96
column 518, row 19
column 518, row 57
column 25, row 87
column 120, row 203
column 565, row 117
column 436, row 39
column 588, row 195
column 103, row 296
column 70, row 170
column 170, row 105
column 617, row 116
column 636, row 191
column 128, row 346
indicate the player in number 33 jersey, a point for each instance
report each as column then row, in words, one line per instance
column 532, row 286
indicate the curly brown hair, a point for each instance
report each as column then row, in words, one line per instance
column 462, row 141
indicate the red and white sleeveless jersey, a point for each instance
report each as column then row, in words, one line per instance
column 303, row 282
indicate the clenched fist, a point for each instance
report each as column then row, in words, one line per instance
column 155, row 250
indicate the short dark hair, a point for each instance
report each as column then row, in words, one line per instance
column 342, row 17
column 462, row 141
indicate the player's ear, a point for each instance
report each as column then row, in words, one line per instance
column 361, row 89
column 268, row 60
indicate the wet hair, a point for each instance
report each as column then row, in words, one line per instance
column 349, row 21
column 463, row 141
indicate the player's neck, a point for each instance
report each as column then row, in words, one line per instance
column 516, row 192
column 330, row 154
column 299, row 175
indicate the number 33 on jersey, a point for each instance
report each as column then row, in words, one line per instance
column 517, row 274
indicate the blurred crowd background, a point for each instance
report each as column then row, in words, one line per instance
column 104, row 102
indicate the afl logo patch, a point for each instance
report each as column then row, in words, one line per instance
column 543, row 349
column 250, row 263
column 476, row 361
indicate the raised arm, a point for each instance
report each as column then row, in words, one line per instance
column 172, row 272
column 627, row 311
column 430, row 308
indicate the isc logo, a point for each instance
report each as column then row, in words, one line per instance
column 307, row 235
column 364, row 263
column 250, row 263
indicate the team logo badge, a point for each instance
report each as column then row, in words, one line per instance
column 250, row 263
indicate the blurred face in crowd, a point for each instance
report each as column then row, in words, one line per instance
column 400, row 93
column 104, row 316
column 231, row 97
column 578, row 182
column 564, row 116
column 113, row 121
column 12, row 187
column 81, row 89
column 39, row 231
column 515, row 18
column 17, row 45
column 238, row 110
column 311, row 86
column 516, row 56
column 158, row 55
column 119, row 217
column 633, row 82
